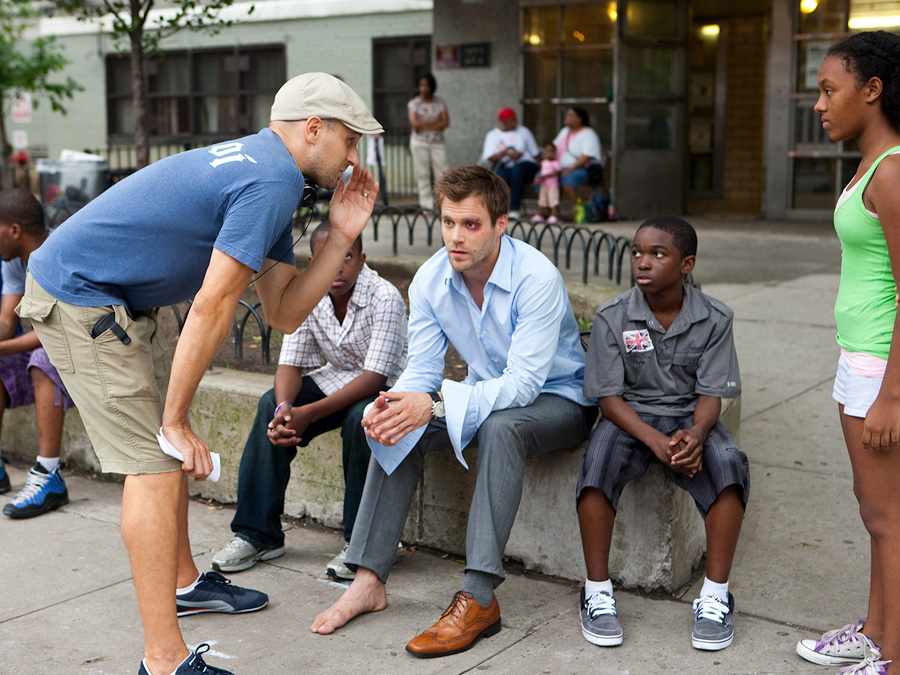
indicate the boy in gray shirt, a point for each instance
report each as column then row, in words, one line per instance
column 660, row 359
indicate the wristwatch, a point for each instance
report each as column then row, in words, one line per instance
column 437, row 406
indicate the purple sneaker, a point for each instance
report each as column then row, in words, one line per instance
column 870, row 665
column 837, row 647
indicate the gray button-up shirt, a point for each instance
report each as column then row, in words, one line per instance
column 659, row 372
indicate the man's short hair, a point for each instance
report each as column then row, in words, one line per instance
column 322, row 231
column 22, row 207
column 471, row 180
column 683, row 233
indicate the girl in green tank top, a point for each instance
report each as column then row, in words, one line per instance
column 859, row 98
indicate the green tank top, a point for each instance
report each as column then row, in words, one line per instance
column 864, row 310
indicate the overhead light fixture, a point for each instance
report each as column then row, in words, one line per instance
column 861, row 22
column 808, row 6
column 711, row 30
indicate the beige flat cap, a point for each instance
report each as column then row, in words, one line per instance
column 323, row 95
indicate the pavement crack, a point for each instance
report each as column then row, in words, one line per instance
column 778, row 404
column 65, row 600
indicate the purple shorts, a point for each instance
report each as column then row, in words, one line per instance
column 16, row 378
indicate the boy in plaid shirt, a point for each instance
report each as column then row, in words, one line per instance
column 359, row 329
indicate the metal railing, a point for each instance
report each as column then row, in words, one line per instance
column 559, row 240
column 238, row 326
column 396, row 172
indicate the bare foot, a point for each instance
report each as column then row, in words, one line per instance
column 366, row 594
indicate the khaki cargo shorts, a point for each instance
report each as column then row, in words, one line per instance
column 119, row 389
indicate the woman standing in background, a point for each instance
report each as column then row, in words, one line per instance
column 428, row 118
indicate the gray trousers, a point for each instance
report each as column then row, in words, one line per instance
column 504, row 440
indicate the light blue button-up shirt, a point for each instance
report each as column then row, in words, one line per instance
column 523, row 341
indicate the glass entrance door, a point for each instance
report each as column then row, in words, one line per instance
column 650, row 93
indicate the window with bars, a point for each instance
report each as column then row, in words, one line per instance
column 567, row 53
column 397, row 65
column 197, row 94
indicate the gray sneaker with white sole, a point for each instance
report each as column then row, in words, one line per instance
column 599, row 620
column 337, row 569
column 239, row 554
column 713, row 623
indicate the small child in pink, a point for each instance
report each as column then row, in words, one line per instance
column 548, row 198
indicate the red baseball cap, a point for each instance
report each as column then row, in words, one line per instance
column 506, row 114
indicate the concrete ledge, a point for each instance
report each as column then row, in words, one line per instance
column 659, row 537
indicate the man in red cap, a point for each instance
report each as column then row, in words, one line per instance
column 512, row 154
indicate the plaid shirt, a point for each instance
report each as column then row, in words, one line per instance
column 372, row 336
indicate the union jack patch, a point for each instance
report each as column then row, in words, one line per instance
column 637, row 341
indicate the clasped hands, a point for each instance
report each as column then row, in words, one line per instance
column 395, row 414
column 683, row 452
column 288, row 425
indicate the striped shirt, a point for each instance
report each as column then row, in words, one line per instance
column 372, row 336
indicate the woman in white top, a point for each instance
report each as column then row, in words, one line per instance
column 577, row 147
column 428, row 118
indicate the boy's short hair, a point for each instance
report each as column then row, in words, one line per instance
column 322, row 231
column 22, row 207
column 471, row 180
column 682, row 232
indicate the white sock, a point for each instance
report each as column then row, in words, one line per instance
column 188, row 589
column 715, row 590
column 175, row 672
column 144, row 663
column 49, row 463
column 591, row 587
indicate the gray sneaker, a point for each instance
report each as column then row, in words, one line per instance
column 599, row 621
column 337, row 569
column 713, row 623
column 239, row 554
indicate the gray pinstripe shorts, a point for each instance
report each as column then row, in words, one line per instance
column 614, row 458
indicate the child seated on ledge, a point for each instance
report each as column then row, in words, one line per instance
column 660, row 359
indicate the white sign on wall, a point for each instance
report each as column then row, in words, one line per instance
column 22, row 108
column 20, row 140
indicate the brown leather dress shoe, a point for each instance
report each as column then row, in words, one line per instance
column 459, row 627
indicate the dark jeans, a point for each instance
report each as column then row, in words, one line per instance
column 517, row 177
column 266, row 468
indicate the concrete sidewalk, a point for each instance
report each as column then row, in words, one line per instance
column 801, row 568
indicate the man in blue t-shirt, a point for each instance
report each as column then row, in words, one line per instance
column 201, row 224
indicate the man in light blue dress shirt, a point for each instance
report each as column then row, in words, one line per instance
column 504, row 307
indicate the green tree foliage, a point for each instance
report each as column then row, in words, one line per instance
column 28, row 67
column 131, row 26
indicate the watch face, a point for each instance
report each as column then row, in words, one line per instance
column 437, row 409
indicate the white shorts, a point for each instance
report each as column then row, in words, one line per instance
column 856, row 392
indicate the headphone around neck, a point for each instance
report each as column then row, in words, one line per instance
column 310, row 195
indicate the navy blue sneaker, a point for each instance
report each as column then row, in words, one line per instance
column 44, row 491
column 193, row 664
column 4, row 478
column 215, row 593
